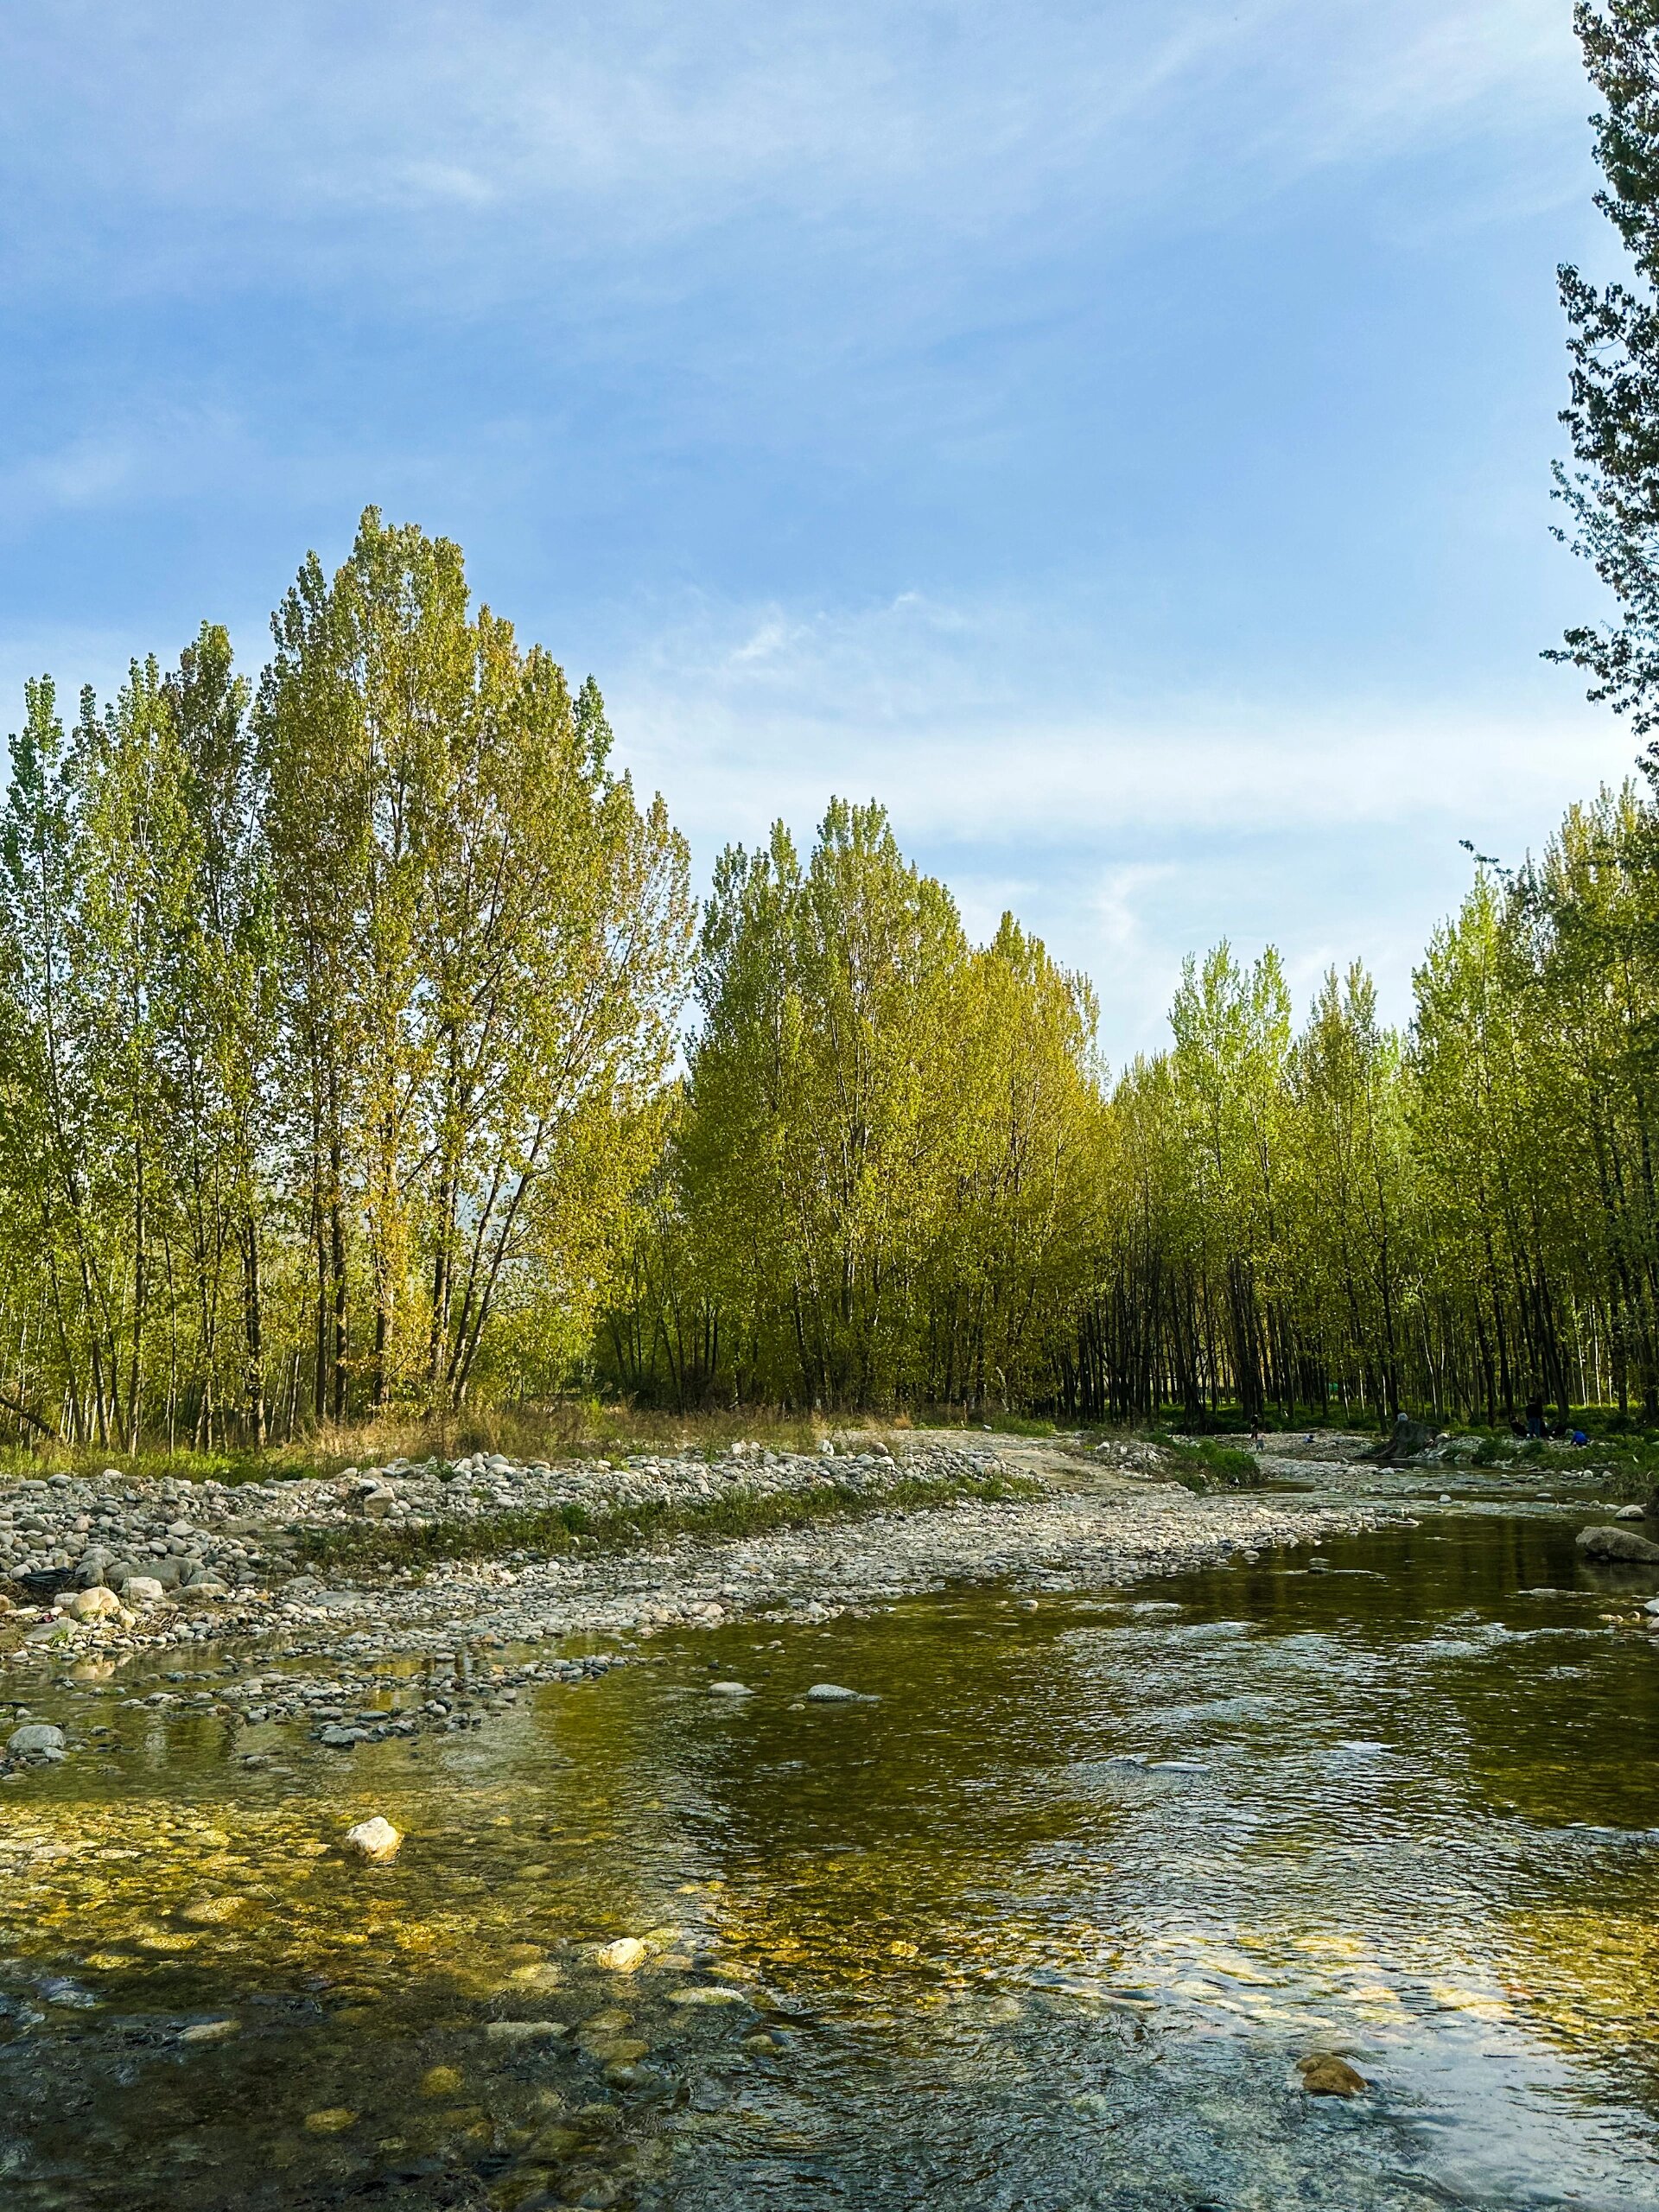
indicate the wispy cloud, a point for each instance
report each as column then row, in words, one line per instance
column 1128, row 830
column 568, row 133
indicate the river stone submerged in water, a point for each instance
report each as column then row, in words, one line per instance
column 1324, row 2075
column 1620, row 1544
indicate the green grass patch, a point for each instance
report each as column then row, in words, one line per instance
column 1204, row 1466
column 548, row 1531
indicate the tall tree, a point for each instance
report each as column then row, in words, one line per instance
column 1614, row 347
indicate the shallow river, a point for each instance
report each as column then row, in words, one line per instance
column 1044, row 1920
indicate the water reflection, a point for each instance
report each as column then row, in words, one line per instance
column 1044, row 1918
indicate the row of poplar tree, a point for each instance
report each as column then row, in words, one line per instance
column 361, row 1046
column 896, row 1174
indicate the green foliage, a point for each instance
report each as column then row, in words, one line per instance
column 1614, row 347
column 335, row 1022
column 882, row 1169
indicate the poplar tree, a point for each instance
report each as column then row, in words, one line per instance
column 1612, row 417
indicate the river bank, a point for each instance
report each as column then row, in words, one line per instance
column 361, row 1645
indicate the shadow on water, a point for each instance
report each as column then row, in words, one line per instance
column 1044, row 1919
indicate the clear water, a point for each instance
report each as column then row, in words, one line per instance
column 1045, row 1923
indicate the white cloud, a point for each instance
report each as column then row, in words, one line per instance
column 976, row 723
column 1126, row 831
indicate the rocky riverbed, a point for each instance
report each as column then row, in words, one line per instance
column 106, row 1572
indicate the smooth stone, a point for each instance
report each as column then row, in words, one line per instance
column 1618, row 1544
column 96, row 1604
column 1324, row 2075
column 552, row 2145
column 212, row 2031
column 730, row 1690
column 36, row 1739
column 144, row 1589
column 525, row 2030
column 376, row 1840
column 831, row 1694
column 1631, row 1513
column 706, row 1993
column 624, row 1956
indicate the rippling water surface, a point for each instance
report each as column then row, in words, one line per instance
column 1044, row 1920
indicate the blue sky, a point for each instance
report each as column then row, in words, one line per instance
column 1117, row 435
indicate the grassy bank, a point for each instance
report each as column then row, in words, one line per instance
column 556, row 1530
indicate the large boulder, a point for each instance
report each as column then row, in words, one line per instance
column 36, row 1739
column 1621, row 1545
column 96, row 1604
column 1408, row 1438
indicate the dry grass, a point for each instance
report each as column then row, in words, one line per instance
column 562, row 1429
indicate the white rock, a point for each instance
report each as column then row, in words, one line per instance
column 143, row 1589
column 831, row 1694
column 625, row 1955
column 525, row 2030
column 730, row 1690
column 376, row 1840
column 97, row 1604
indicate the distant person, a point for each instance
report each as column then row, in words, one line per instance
column 1534, row 1417
column 1579, row 1436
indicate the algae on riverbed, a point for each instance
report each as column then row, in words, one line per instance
column 1095, row 1874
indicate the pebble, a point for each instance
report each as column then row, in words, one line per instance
column 375, row 1840
column 625, row 1955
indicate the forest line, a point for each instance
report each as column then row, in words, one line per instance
column 362, row 1046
